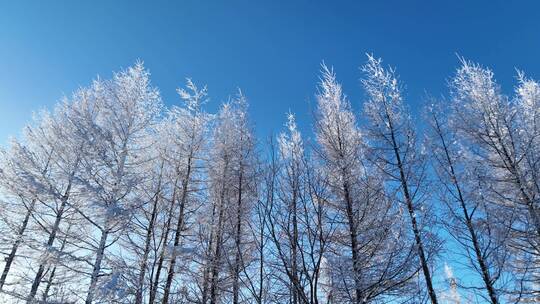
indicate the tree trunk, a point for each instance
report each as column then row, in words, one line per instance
column 149, row 232
column 486, row 277
column 97, row 266
column 11, row 257
column 216, row 258
column 179, row 227
column 410, row 208
column 154, row 287
column 209, row 256
column 354, row 242
column 207, row 267
column 237, row 241
column 51, row 276
column 50, row 242
column 48, row 286
column 294, row 249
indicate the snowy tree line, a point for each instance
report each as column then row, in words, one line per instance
column 113, row 198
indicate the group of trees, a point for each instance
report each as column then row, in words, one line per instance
column 114, row 198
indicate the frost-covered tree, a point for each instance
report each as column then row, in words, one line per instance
column 370, row 255
column 219, row 179
column 245, row 171
column 60, row 182
column 296, row 221
column 290, row 193
column 339, row 138
column 40, row 170
column 139, row 244
column 481, row 229
column 233, row 187
column 502, row 133
column 114, row 119
column 17, row 206
column 187, row 130
column 393, row 148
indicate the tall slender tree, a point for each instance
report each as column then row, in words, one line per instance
column 113, row 118
column 470, row 216
column 364, row 264
column 393, row 148
column 187, row 133
column 502, row 134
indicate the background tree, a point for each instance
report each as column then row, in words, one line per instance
column 296, row 221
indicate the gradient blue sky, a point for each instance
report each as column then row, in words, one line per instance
column 271, row 49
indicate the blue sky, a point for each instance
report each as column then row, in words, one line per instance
column 270, row 49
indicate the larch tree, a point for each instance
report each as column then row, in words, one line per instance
column 59, row 181
column 393, row 148
column 296, row 221
column 370, row 255
column 17, row 206
column 245, row 191
column 187, row 132
column 290, row 192
column 41, row 172
column 501, row 133
column 232, row 190
column 482, row 230
column 113, row 118
column 138, row 243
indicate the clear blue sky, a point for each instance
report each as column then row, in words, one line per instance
column 271, row 49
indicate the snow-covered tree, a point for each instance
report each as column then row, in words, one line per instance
column 296, row 221
column 232, row 178
column 502, row 134
column 186, row 135
column 41, row 172
column 393, row 148
column 481, row 229
column 370, row 254
column 113, row 118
